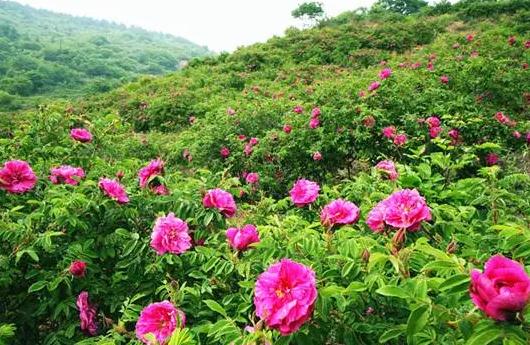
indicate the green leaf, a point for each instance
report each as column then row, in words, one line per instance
column 391, row 334
column 213, row 305
column 393, row 291
column 418, row 318
column 331, row 290
column 37, row 286
column 455, row 284
column 484, row 337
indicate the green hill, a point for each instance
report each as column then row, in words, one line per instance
column 47, row 55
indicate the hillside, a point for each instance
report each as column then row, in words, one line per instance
column 365, row 181
column 47, row 55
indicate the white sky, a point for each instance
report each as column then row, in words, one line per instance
column 218, row 24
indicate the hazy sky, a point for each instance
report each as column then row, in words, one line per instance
column 218, row 24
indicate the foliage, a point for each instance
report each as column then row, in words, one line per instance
column 308, row 11
column 368, row 292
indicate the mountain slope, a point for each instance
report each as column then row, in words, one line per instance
column 55, row 55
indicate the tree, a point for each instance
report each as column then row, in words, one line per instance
column 309, row 11
column 401, row 6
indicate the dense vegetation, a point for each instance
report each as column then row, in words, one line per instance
column 53, row 55
column 443, row 94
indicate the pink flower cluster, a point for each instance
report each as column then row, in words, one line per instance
column 404, row 209
column 435, row 126
column 249, row 147
column 285, row 296
column 502, row 290
column 389, row 168
column 160, row 320
column 224, row 152
column 504, row 119
column 339, row 212
column 87, row 314
column 66, row 174
column 314, row 122
column 17, row 177
column 170, row 235
column 252, row 178
column 241, row 239
column 391, row 133
column 304, row 192
column 221, row 200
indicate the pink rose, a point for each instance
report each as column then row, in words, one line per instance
column 385, row 73
column 87, row 314
column 298, row 109
column 221, row 200
column 77, row 268
column 114, row 190
column 242, row 137
column 369, row 121
column 389, row 132
column 314, row 123
column 248, row 149
column 285, row 296
column 225, row 152
column 304, row 192
column 241, row 239
column 81, row 135
column 511, row 40
column 374, row 86
column 66, row 174
column 389, row 168
column 491, row 159
column 159, row 319
column 149, row 176
column 170, row 235
column 253, row 141
column 433, row 121
column 252, row 178
column 317, row 156
column 435, row 131
column 502, row 290
column 404, row 209
column 339, row 212
column 230, row 111
column 444, row 79
column 470, row 37
column 287, row 128
column 400, row 139
column 454, row 134
column 315, row 112
column 17, row 177
column 516, row 134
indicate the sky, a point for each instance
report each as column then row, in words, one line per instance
column 222, row 25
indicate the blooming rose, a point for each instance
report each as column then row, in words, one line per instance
column 317, row 156
column 253, row 141
column 454, row 134
column 369, row 121
column 389, row 168
column 285, row 296
column 516, row 134
column 252, row 178
column 470, row 37
column 148, row 174
column 389, row 132
column 434, row 131
column 502, row 290
column 230, row 111
column 374, row 86
column 400, row 139
column 159, row 319
column 433, row 121
column 385, row 73
column 511, row 40
column 114, row 190
column 404, row 209
column 314, row 123
column 66, row 174
column 339, row 212
column 87, row 314
column 221, row 200
column 304, row 192
column 170, row 235
column 225, row 152
column 287, row 128
column 81, row 135
column 491, row 159
column 17, row 177
column 298, row 109
column 315, row 112
column 444, row 79
column 77, row 268
column 241, row 239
